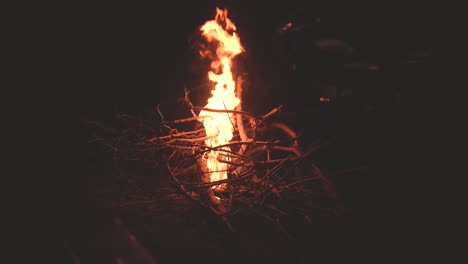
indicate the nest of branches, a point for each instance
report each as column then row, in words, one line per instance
column 267, row 171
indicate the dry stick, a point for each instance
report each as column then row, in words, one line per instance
column 273, row 111
column 288, row 131
column 187, row 100
column 230, row 120
column 240, row 124
column 190, row 139
column 183, row 120
column 159, row 112
column 176, row 135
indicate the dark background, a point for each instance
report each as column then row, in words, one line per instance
column 403, row 119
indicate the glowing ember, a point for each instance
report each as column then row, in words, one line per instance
column 220, row 126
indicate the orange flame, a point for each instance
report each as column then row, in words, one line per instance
column 220, row 126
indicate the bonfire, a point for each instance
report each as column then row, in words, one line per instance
column 236, row 160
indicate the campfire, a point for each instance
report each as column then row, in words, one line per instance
column 231, row 160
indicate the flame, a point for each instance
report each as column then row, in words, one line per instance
column 220, row 126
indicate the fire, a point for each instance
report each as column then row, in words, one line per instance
column 220, row 126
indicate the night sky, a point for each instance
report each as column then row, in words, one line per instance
column 127, row 58
column 129, row 55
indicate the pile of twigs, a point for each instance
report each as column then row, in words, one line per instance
column 265, row 169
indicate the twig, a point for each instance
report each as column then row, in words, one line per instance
column 272, row 112
column 176, row 135
column 159, row 112
column 228, row 115
column 187, row 100
column 196, row 118
column 298, row 182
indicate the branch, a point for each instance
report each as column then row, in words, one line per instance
column 187, row 100
column 240, row 124
column 227, row 111
column 272, row 112
column 176, row 135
